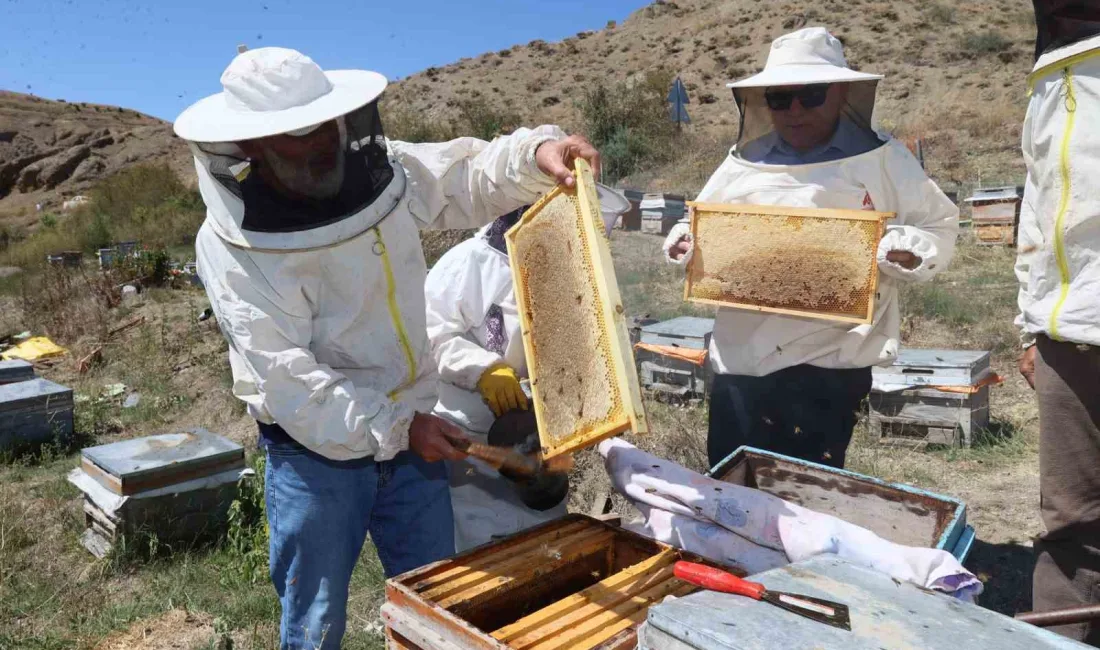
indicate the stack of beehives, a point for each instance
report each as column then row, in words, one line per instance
column 660, row 212
column 174, row 487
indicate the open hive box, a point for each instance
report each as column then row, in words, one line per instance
column 583, row 380
column 797, row 261
column 896, row 512
column 575, row 582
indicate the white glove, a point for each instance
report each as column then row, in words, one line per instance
column 680, row 232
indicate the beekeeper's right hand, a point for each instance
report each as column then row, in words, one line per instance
column 430, row 438
column 679, row 244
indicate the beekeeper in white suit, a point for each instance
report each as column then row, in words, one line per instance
column 1058, row 266
column 474, row 330
column 311, row 258
column 788, row 384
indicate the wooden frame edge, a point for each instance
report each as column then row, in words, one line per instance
column 782, row 211
column 622, row 354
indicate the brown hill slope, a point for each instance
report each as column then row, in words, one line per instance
column 955, row 76
column 955, row 71
column 51, row 150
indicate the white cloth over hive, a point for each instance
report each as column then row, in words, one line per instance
column 733, row 524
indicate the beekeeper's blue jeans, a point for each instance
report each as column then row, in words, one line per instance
column 319, row 513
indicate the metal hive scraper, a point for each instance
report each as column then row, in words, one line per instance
column 822, row 611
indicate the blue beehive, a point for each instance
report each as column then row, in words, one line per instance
column 33, row 412
column 899, row 513
column 15, row 370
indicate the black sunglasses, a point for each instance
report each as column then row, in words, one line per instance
column 810, row 96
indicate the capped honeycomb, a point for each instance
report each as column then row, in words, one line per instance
column 804, row 262
column 583, row 380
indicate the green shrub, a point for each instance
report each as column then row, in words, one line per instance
column 409, row 125
column 629, row 123
column 247, row 539
column 481, row 119
column 941, row 13
column 987, row 42
column 146, row 203
column 150, row 266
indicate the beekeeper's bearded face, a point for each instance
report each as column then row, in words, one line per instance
column 806, row 116
column 309, row 166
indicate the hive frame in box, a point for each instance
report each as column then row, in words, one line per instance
column 856, row 215
column 610, row 304
column 498, row 596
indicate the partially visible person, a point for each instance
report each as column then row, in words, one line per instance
column 474, row 330
column 476, row 343
column 1058, row 267
column 794, row 385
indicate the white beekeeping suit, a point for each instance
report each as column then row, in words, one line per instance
column 887, row 178
column 466, row 290
column 1059, row 244
column 325, row 320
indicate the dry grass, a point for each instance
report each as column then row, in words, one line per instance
column 54, row 595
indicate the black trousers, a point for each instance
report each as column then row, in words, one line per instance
column 803, row 411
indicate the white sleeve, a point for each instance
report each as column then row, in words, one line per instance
column 466, row 183
column 927, row 223
column 1029, row 239
column 316, row 405
column 457, row 302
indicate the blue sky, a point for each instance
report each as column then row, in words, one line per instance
column 159, row 56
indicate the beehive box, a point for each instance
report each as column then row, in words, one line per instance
column 15, row 370
column 995, row 234
column 930, row 408
column 140, row 464
column 795, row 261
column 899, row 513
column 33, row 412
column 995, row 215
column 670, row 375
column 176, row 487
column 583, row 380
column 885, row 613
column 575, row 582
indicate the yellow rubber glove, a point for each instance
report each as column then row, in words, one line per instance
column 500, row 387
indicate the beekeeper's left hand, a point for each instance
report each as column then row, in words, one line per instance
column 555, row 158
column 500, row 387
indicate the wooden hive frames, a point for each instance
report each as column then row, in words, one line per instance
column 803, row 262
column 583, row 379
column 574, row 583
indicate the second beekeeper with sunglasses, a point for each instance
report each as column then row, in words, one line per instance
column 788, row 384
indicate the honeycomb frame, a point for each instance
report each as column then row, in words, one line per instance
column 861, row 309
column 603, row 304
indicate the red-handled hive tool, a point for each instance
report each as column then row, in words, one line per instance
column 822, row 611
